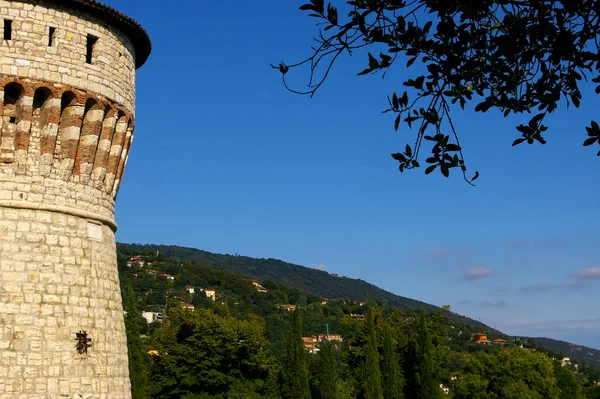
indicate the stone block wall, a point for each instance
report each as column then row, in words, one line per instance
column 27, row 54
column 66, row 127
column 56, row 281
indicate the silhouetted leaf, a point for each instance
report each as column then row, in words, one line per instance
column 536, row 119
column 373, row 63
column 399, row 157
column 444, row 170
column 305, row 7
column 430, row 169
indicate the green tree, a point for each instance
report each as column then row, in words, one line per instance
column 138, row 373
column 512, row 373
column 327, row 372
column 523, row 374
column 372, row 385
column 512, row 56
column 295, row 369
column 205, row 354
column 472, row 382
column 393, row 381
column 567, row 382
column 427, row 376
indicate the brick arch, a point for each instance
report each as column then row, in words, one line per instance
column 49, row 121
column 72, row 134
column 116, row 149
column 12, row 110
column 41, row 104
column 72, row 108
column 123, row 159
column 95, row 110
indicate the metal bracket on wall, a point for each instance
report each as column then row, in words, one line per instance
column 83, row 342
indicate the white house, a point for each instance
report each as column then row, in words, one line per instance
column 151, row 317
column 212, row 294
column 445, row 389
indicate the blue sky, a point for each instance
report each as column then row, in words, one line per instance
column 226, row 160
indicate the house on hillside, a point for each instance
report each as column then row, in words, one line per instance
column 310, row 343
column 152, row 351
column 331, row 337
column 500, row 341
column 211, row 294
column 186, row 305
column 167, row 276
column 151, row 317
column 258, row 286
column 480, row 338
column 289, row 307
column 567, row 362
column 136, row 261
column 445, row 389
column 190, row 289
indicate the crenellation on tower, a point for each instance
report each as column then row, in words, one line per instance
column 67, row 102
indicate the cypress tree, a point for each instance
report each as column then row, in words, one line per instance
column 372, row 385
column 393, row 381
column 135, row 352
column 295, row 371
column 327, row 372
column 427, row 379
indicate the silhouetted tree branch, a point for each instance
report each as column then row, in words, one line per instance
column 510, row 55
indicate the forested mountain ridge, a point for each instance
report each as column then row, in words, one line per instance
column 582, row 354
column 195, row 330
column 313, row 281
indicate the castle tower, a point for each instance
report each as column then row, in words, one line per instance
column 67, row 95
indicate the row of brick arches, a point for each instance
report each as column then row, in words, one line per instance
column 59, row 131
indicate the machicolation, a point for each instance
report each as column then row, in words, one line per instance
column 67, row 104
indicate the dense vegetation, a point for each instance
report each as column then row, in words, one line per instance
column 246, row 344
column 315, row 282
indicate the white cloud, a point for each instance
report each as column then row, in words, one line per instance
column 545, row 287
column 477, row 273
column 551, row 328
column 320, row 266
column 484, row 304
column 590, row 272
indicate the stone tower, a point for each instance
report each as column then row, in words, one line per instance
column 67, row 91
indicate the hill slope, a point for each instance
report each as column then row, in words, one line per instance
column 583, row 354
column 313, row 281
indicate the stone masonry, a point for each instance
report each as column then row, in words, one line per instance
column 67, row 91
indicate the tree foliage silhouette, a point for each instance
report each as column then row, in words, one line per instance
column 372, row 385
column 295, row 369
column 513, row 56
column 138, row 373
column 393, row 384
column 327, row 372
column 427, row 378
